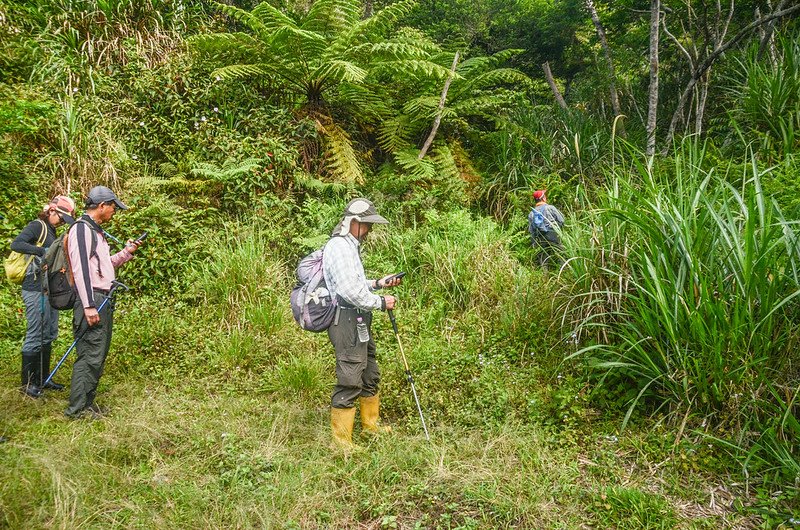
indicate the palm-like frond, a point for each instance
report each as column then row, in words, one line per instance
column 239, row 71
column 395, row 134
column 332, row 17
column 337, row 71
column 340, row 156
column 247, row 18
column 424, row 169
column 381, row 21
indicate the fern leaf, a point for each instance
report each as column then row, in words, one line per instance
column 245, row 17
column 330, row 17
column 424, row 169
column 272, row 18
column 340, row 71
column 395, row 134
column 340, row 155
column 238, row 71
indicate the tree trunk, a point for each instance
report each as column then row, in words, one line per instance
column 601, row 34
column 438, row 119
column 552, row 82
column 652, row 104
column 702, row 97
column 708, row 61
column 768, row 38
column 367, row 9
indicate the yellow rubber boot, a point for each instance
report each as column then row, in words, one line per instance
column 370, row 414
column 342, row 426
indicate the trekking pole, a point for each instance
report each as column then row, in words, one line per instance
column 408, row 372
column 114, row 286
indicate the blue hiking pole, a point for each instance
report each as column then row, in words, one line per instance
column 114, row 286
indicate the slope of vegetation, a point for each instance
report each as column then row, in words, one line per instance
column 649, row 383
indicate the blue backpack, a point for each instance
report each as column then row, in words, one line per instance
column 537, row 223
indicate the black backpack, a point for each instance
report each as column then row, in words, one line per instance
column 59, row 283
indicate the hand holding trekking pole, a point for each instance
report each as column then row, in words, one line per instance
column 409, row 377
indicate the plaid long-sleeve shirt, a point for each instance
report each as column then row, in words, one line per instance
column 344, row 273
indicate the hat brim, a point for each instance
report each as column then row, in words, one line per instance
column 374, row 219
column 66, row 217
column 121, row 205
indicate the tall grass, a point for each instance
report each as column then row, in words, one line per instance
column 692, row 300
column 767, row 99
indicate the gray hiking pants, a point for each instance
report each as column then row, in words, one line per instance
column 42, row 322
column 92, row 350
column 357, row 373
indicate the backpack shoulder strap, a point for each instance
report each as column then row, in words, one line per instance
column 93, row 232
column 42, row 237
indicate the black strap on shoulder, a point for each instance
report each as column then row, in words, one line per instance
column 93, row 248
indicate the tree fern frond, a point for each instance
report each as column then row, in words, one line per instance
column 395, row 134
column 295, row 39
column 272, row 18
column 310, row 183
column 371, row 104
column 480, row 63
column 422, row 107
column 418, row 38
column 411, row 68
column 238, row 71
column 424, row 169
column 215, row 43
column 389, row 50
column 340, row 71
column 446, row 165
column 382, row 21
column 340, row 156
column 493, row 78
column 245, row 17
column 230, row 169
column 330, row 17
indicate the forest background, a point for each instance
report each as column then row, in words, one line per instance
column 649, row 383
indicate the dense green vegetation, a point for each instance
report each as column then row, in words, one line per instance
column 652, row 382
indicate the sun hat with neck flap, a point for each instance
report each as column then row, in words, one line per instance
column 361, row 210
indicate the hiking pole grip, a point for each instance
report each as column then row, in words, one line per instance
column 394, row 321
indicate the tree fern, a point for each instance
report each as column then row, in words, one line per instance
column 340, row 156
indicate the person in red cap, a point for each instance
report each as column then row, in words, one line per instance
column 544, row 225
column 42, row 320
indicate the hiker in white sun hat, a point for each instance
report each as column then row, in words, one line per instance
column 357, row 373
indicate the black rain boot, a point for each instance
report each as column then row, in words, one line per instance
column 30, row 375
column 47, row 351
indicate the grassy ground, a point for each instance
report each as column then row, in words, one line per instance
column 224, row 452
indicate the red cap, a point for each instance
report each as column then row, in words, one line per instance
column 538, row 194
